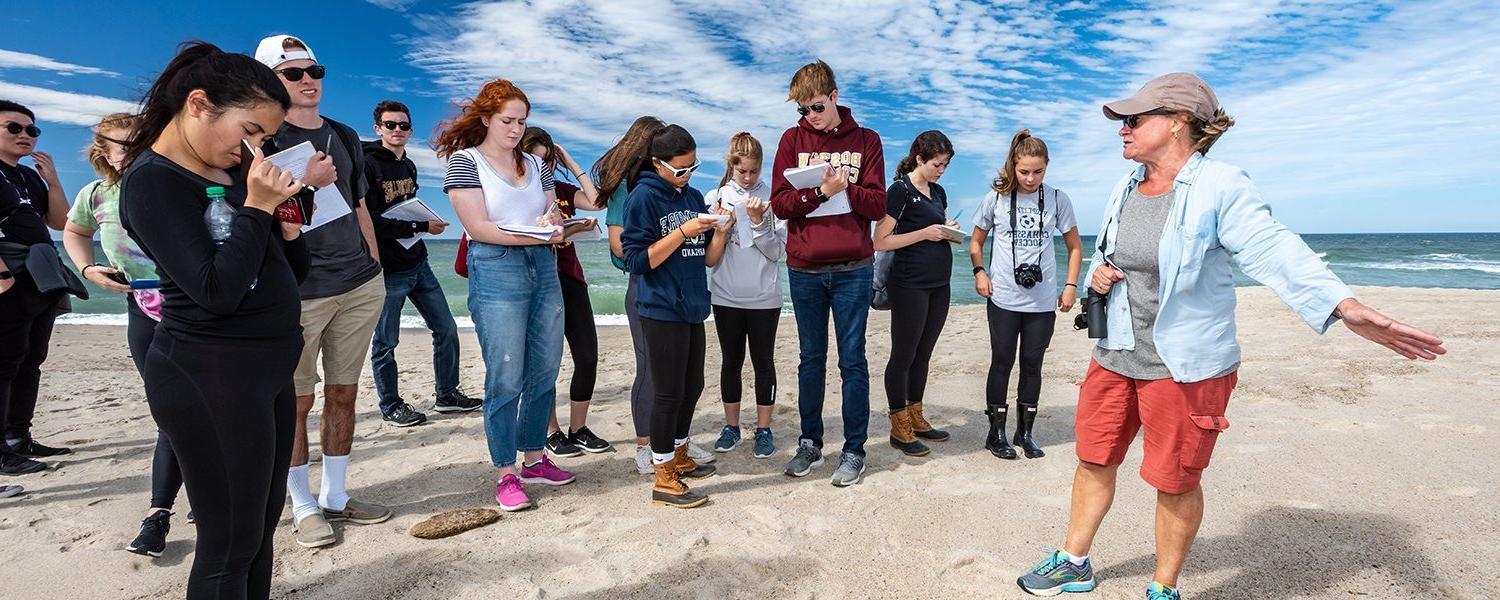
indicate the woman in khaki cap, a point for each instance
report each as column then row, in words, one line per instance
column 1172, row 228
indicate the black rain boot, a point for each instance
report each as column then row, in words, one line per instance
column 1024, row 421
column 995, row 441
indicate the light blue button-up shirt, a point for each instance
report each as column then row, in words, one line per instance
column 1216, row 216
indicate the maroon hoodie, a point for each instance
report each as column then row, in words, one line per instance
column 837, row 239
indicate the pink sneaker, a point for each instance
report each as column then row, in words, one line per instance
column 545, row 473
column 511, row 494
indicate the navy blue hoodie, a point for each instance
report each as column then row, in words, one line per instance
column 676, row 290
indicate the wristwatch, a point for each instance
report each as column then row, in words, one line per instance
column 977, row 270
column 820, row 196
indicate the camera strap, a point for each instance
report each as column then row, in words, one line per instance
column 1041, row 207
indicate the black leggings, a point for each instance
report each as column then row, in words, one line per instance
column 734, row 326
column 166, row 477
column 228, row 408
column 917, row 317
column 1034, row 332
column 676, row 351
column 583, row 339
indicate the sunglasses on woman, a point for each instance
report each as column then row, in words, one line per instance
column 676, row 172
column 1132, row 121
column 16, row 128
column 816, row 107
column 394, row 125
column 295, row 73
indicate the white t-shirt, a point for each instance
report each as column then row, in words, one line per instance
column 504, row 203
column 1033, row 245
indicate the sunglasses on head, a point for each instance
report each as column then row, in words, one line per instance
column 676, row 172
column 1132, row 121
column 816, row 107
column 295, row 73
column 394, row 125
column 16, row 128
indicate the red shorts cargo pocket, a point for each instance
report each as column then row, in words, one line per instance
column 1198, row 446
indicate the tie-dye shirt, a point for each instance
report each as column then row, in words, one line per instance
column 97, row 208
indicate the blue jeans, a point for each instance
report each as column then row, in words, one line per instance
column 517, row 307
column 847, row 295
column 422, row 287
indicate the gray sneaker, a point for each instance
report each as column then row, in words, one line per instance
column 851, row 469
column 808, row 456
column 1056, row 574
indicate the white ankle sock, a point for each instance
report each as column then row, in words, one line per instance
column 657, row 459
column 1076, row 560
column 334, row 495
column 303, row 503
column 679, row 442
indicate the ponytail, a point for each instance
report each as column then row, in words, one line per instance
column 230, row 80
column 1205, row 134
column 1023, row 144
column 742, row 147
column 927, row 146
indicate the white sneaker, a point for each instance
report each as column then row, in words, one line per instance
column 699, row 455
column 643, row 460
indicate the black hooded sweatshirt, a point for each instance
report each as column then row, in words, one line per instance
column 393, row 181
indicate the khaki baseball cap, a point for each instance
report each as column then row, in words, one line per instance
column 1174, row 91
column 271, row 54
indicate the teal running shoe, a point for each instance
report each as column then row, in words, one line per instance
column 1056, row 574
column 729, row 439
column 1157, row 591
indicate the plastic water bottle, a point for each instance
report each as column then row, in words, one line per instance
column 219, row 216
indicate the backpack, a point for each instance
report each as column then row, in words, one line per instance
column 880, row 298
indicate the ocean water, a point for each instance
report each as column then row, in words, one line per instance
column 1432, row 260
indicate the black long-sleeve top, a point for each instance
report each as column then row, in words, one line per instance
column 245, row 289
column 393, row 181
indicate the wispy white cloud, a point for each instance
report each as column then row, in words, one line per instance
column 63, row 107
column 10, row 59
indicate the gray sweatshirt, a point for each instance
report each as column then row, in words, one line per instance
column 748, row 276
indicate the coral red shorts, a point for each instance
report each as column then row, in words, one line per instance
column 1181, row 421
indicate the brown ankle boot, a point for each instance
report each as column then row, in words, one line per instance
column 921, row 428
column 669, row 490
column 690, row 468
column 902, row 437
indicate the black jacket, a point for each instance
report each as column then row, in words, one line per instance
column 392, row 181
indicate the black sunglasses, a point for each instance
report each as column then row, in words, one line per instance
column 1132, row 121
column 295, row 73
column 816, row 107
column 394, row 125
column 16, row 128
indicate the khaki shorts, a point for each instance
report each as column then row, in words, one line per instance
column 339, row 328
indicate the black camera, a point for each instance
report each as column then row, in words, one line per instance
column 1092, row 316
column 1028, row 275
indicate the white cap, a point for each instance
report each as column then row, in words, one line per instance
column 271, row 54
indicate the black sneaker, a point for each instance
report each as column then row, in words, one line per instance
column 559, row 446
column 30, row 448
column 590, row 443
column 404, row 416
column 456, row 401
column 152, row 539
column 15, row 464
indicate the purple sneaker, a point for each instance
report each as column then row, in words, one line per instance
column 511, row 494
column 545, row 473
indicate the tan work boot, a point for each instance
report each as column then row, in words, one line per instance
column 669, row 490
column 902, row 437
column 689, row 468
column 921, row 428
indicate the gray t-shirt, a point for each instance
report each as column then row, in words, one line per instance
column 1033, row 245
column 341, row 260
column 1137, row 242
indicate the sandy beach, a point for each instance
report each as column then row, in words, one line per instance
column 1348, row 472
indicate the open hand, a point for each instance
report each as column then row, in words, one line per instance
column 1401, row 338
column 46, row 168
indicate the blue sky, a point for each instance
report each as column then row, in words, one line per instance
column 1352, row 116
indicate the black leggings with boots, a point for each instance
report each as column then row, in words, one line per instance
column 676, row 353
column 917, row 317
column 736, row 326
column 1034, row 333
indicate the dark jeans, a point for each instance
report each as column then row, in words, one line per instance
column 846, row 295
column 26, row 317
column 422, row 287
column 166, row 476
column 676, row 351
column 583, row 339
column 1034, row 333
column 736, row 326
column 917, row 317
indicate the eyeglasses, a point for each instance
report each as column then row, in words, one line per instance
column 16, row 128
column 1133, row 121
column 676, row 172
column 394, row 125
column 295, row 73
column 816, row 107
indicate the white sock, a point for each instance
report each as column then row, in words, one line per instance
column 1076, row 560
column 334, row 495
column 679, row 442
column 303, row 503
column 657, row 459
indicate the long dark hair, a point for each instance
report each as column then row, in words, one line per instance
column 619, row 163
column 928, row 145
column 536, row 136
column 667, row 143
column 230, row 80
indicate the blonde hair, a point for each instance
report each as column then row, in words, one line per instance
column 97, row 152
column 1205, row 133
column 1023, row 144
column 812, row 79
column 742, row 147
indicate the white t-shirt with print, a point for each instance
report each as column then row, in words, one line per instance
column 1033, row 245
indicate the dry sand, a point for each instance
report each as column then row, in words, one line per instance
column 1349, row 472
